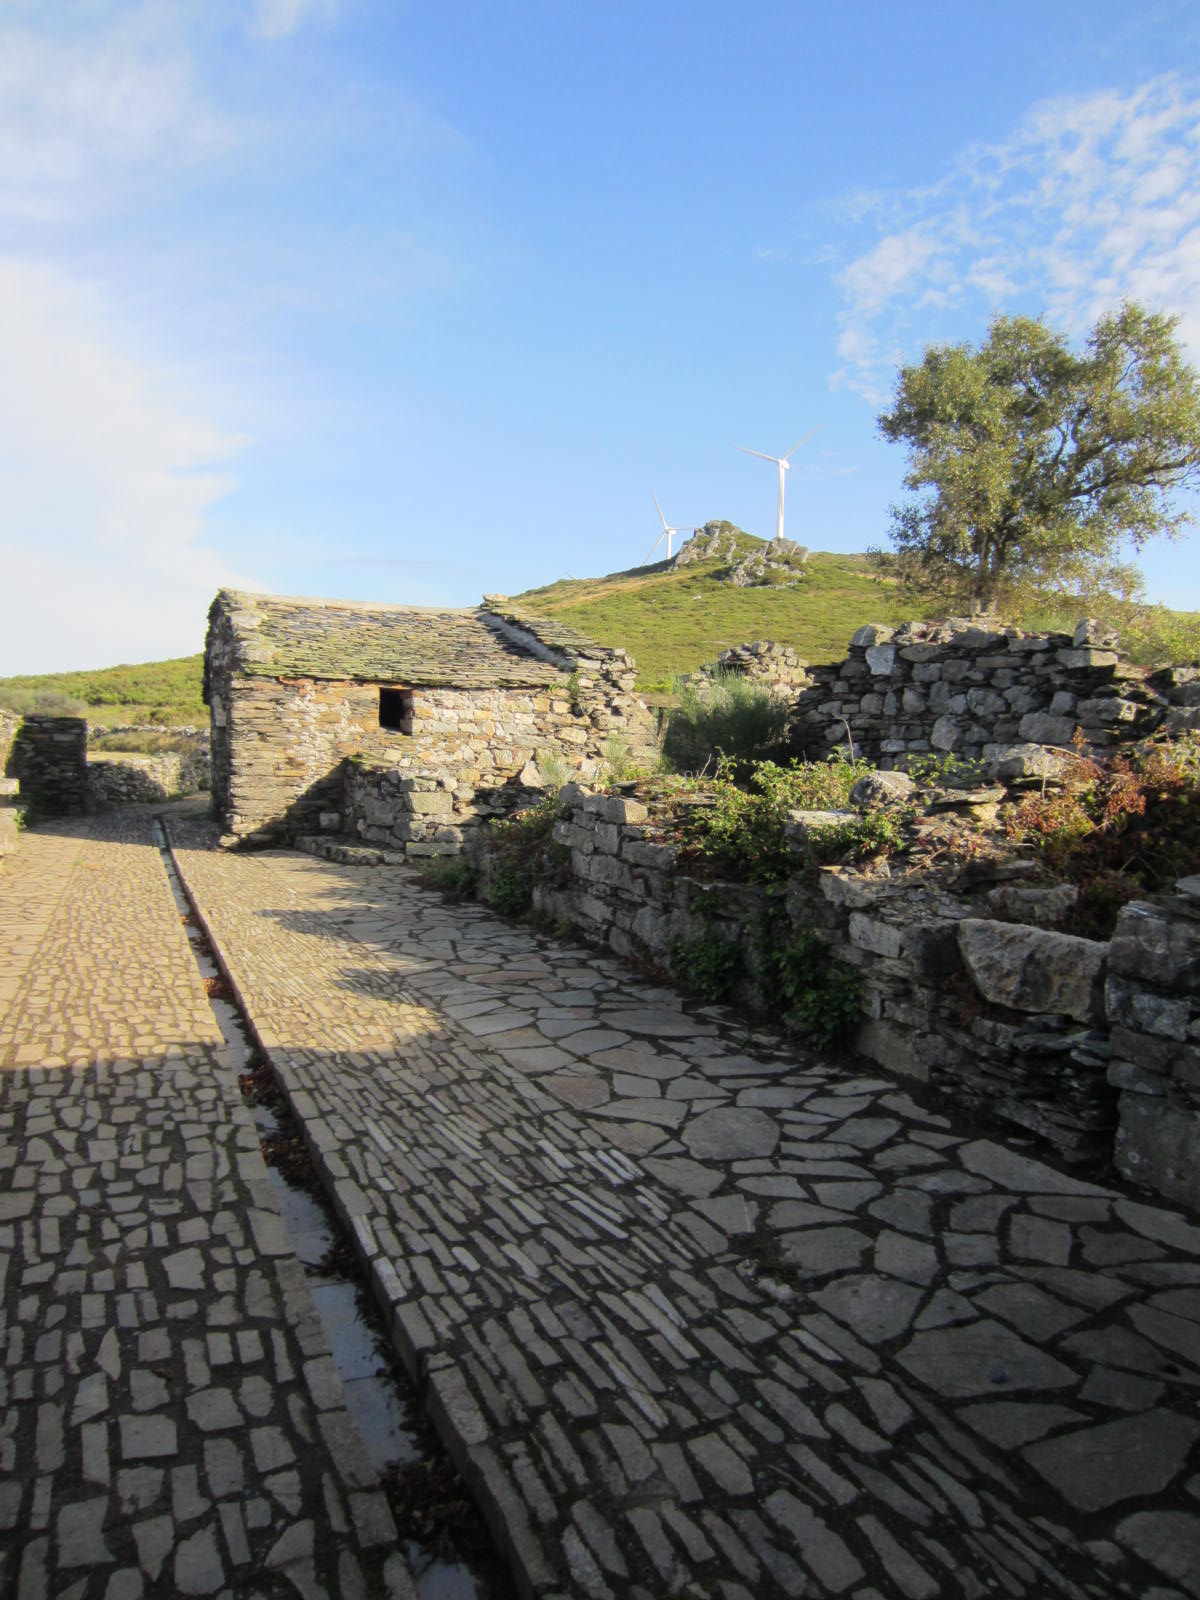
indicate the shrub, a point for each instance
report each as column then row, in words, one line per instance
column 522, row 852
column 711, row 964
column 735, row 717
column 818, row 996
column 859, row 838
column 455, row 876
column 743, row 835
column 1118, row 827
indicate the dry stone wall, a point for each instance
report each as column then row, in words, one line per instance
column 1026, row 1025
column 1153, row 1003
column 117, row 777
column 475, row 754
column 48, row 757
column 987, row 693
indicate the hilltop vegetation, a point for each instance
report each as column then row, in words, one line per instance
column 163, row 692
column 673, row 619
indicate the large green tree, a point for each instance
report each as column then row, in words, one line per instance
column 1035, row 466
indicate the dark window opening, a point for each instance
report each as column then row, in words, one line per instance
column 396, row 710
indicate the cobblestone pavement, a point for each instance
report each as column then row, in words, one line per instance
column 172, row 1423
column 705, row 1318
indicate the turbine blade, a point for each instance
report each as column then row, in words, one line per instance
column 661, row 518
column 757, row 453
column 805, row 440
column 652, row 549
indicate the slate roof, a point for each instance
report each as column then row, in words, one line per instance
column 275, row 636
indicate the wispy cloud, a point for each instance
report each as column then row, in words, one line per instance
column 108, row 475
column 1092, row 198
column 89, row 121
column 278, row 19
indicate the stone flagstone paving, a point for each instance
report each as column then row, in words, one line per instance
column 700, row 1317
column 172, row 1423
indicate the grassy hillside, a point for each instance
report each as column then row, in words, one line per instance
column 673, row 620
column 166, row 692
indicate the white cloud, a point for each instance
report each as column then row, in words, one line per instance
column 897, row 261
column 278, row 19
column 1093, row 198
column 107, row 480
column 85, row 122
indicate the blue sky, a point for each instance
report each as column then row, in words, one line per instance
column 412, row 301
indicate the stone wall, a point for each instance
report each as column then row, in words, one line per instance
column 119, row 777
column 778, row 666
column 311, row 757
column 48, row 757
column 474, row 754
column 293, row 755
column 985, row 692
column 1153, row 1000
column 1002, row 1017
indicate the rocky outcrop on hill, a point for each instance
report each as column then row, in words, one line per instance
column 778, row 563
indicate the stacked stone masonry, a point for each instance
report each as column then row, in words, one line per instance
column 48, row 757
column 1013, row 1021
column 297, row 693
column 1153, row 1001
column 983, row 692
column 118, row 778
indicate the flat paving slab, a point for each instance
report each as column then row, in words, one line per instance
column 701, row 1316
column 169, row 1426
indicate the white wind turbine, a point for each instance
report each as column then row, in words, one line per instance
column 782, row 463
column 668, row 530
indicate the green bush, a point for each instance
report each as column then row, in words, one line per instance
column 711, row 964
column 742, row 833
column 455, row 876
column 522, row 852
column 818, row 996
column 735, row 717
column 858, row 838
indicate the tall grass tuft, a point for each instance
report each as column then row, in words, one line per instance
column 733, row 716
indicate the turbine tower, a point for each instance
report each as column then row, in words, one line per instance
column 782, row 463
column 668, row 530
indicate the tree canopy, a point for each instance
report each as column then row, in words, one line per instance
column 1035, row 465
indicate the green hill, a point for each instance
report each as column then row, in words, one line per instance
column 670, row 618
column 164, row 692
column 673, row 619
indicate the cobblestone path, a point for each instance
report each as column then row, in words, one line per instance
column 171, row 1420
column 701, row 1318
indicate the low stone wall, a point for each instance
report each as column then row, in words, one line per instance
column 778, row 666
column 48, row 757
column 1153, row 1002
column 1004, row 1018
column 118, row 777
column 474, row 754
column 977, row 691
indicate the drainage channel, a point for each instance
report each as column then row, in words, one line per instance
column 446, row 1544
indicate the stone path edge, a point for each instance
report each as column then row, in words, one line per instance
column 445, row 1400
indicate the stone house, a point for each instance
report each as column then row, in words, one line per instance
column 405, row 722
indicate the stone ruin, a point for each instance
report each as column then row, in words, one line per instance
column 47, row 756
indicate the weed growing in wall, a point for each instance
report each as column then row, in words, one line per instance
column 742, row 832
column 522, row 852
column 1117, row 827
column 859, row 838
column 710, row 964
column 819, row 997
column 455, row 876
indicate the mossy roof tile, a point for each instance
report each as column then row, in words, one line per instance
column 432, row 647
